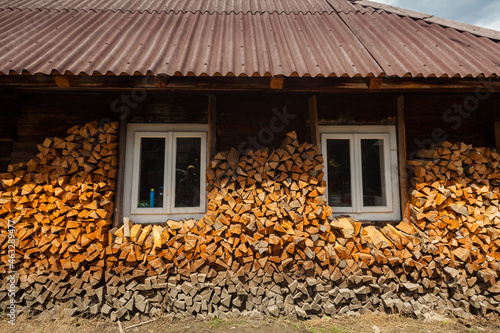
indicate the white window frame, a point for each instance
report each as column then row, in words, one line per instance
column 355, row 133
column 170, row 132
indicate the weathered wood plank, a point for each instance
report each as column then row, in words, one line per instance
column 210, row 84
column 403, row 166
column 122, row 137
column 313, row 120
column 497, row 135
column 212, row 127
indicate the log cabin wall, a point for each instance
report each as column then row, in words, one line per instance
column 49, row 113
column 357, row 109
column 7, row 130
column 436, row 118
column 430, row 118
column 170, row 108
column 29, row 117
column 240, row 116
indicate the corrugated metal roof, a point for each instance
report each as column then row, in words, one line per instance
column 179, row 6
column 234, row 37
column 191, row 43
column 403, row 46
column 379, row 7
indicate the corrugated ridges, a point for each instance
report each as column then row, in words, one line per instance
column 347, row 6
column 403, row 46
column 176, row 6
column 379, row 7
column 344, row 42
column 186, row 44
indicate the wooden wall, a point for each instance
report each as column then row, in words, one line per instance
column 251, row 121
column 169, row 108
column 434, row 118
column 429, row 118
column 45, row 114
column 244, row 120
column 28, row 117
column 357, row 109
column 7, row 130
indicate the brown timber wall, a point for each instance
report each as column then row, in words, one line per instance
column 246, row 120
column 45, row 114
column 7, row 130
column 30, row 116
column 357, row 109
column 437, row 118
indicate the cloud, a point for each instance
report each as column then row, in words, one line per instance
column 484, row 13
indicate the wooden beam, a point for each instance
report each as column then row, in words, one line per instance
column 277, row 83
column 374, row 83
column 212, row 127
column 122, row 138
column 494, row 118
column 62, row 81
column 160, row 81
column 497, row 135
column 214, row 84
column 313, row 120
column 403, row 164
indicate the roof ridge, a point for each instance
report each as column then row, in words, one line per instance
column 218, row 7
column 175, row 12
column 464, row 27
column 180, row 11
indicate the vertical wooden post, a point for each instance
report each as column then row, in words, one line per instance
column 120, row 180
column 212, row 127
column 403, row 164
column 313, row 120
column 497, row 135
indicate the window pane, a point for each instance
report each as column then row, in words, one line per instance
column 151, row 173
column 187, row 172
column 339, row 173
column 372, row 156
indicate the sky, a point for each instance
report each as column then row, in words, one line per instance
column 484, row 13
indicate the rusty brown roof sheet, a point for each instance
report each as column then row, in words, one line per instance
column 187, row 44
column 406, row 47
column 235, row 37
column 180, row 6
column 375, row 6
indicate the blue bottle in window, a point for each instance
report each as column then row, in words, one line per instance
column 152, row 198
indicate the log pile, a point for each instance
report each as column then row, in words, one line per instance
column 62, row 200
column 455, row 201
column 267, row 245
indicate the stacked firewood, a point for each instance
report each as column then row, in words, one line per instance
column 268, row 243
column 455, row 202
column 266, row 211
column 62, row 200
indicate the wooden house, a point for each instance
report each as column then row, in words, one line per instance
column 257, row 125
column 342, row 74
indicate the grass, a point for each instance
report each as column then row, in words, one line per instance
column 219, row 323
column 333, row 329
column 334, row 324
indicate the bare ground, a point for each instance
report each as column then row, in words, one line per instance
column 372, row 322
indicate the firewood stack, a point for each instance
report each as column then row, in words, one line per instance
column 62, row 201
column 267, row 245
column 455, row 202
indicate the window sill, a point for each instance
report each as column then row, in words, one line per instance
column 161, row 219
column 375, row 216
